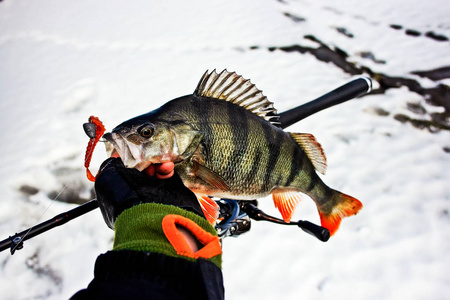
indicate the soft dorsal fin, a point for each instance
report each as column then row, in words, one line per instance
column 236, row 89
column 313, row 149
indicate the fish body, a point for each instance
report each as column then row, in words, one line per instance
column 225, row 142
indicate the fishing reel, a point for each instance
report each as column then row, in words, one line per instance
column 235, row 219
column 232, row 221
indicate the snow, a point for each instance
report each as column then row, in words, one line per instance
column 62, row 61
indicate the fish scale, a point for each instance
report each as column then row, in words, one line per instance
column 225, row 142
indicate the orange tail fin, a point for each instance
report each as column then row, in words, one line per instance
column 345, row 206
column 209, row 207
column 286, row 201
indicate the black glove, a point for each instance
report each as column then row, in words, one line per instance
column 119, row 188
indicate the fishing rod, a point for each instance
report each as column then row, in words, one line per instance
column 353, row 89
column 15, row 242
column 237, row 214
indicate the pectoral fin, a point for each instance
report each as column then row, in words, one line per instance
column 209, row 176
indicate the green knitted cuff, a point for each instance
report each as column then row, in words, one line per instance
column 139, row 228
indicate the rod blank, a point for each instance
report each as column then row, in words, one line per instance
column 343, row 93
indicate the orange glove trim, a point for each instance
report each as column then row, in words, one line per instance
column 211, row 243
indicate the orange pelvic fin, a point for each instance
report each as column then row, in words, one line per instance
column 286, row 201
column 209, row 207
column 345, row 206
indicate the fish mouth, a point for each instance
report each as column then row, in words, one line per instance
column 132, row 155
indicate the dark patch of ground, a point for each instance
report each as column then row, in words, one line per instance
column 436, row 96
column 74, row 187
column 33, row 263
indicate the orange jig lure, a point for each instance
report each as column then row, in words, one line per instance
column 94, row 129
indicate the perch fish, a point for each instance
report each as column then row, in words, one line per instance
column 226, row 142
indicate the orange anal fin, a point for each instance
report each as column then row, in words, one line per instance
column 209, row 207
column 345, row 206
column 286, row 201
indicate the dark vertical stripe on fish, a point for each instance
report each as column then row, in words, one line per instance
column 239, row 135
column 256, row 164
column 296, row 165
column 203, row 116
column 329, row 193
column 313, row 181
column 274, row 144
column 278, row 180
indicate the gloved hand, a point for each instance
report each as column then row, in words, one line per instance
column 163, row 245
column 119, row 188
column 154, row 215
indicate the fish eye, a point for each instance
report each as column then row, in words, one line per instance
column 146, row 131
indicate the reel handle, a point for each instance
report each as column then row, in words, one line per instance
column 317, row 231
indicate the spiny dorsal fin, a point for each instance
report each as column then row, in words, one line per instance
column 236, row 89
column 313, row 149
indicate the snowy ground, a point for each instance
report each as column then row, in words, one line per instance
column 62, row 61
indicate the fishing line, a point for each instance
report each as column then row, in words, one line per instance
column 42, row 215
column 54, row 199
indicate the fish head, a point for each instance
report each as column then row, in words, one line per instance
column 141, row 142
